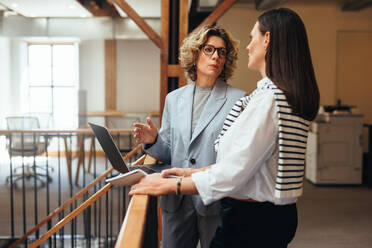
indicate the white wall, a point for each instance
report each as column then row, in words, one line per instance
column 138, row 75
column 92, row 73
column 4, row 79
column 12, row 74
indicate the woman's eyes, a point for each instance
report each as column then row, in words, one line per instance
column 208, row 49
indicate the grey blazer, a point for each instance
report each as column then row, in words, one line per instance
column 175, row 145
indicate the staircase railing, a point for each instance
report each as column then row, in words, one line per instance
column 87, row 203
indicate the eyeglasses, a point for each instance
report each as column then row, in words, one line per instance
column 209, row 50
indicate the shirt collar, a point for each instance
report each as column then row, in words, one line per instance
column 264, row 81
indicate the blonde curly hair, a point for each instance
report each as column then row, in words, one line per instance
column 191, row 46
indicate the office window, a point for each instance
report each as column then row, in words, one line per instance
column 53, row 82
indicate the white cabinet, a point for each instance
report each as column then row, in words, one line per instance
column 334, row 154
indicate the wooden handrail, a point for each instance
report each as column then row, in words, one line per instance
column 132, row 229
column 71, row 215
column 76, row 196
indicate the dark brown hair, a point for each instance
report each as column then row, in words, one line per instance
column 288, row 60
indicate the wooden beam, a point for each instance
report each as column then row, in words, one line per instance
column 142, row 24
column 110, row 74
column 95, row 10
column 217, row 13
column 174, row 70
column 183, row 30
column 164, row 52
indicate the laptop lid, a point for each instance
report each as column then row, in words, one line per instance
column 109, row 147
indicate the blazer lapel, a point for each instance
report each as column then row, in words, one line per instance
column 184, row 114
column 215, row 102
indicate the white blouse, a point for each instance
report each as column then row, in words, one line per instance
column 247, row 158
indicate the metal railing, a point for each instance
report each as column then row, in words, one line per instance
column 42, row 198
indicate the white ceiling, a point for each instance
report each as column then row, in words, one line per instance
column 46, row 8
column 72, row 8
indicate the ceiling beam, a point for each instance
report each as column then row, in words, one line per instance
column 99, row 8
column 217, row 13
column 356, row 5
column 142, row 24
column 267, row 4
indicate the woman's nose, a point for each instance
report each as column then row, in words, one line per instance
column 215, row 55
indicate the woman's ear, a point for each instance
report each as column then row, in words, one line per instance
column 267, row 40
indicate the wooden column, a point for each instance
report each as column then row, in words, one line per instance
column 164, row 52
column 183, row 28
column 110, row 74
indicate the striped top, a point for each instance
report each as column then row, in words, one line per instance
column 293, row 133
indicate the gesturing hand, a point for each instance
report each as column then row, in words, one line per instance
column 143, row 133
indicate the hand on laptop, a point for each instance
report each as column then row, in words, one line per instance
column 143, row 133
column 154, row 184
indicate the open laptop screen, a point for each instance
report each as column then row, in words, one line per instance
column 109, row 147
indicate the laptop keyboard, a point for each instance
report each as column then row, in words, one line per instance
column 142, row 167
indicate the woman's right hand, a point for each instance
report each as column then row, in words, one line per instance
column 143, row 133
column 180, row 172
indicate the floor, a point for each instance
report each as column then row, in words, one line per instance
column 334, row 217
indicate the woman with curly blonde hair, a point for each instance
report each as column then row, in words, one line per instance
column 192, row 118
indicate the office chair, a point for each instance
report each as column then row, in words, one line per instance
column 26, row 145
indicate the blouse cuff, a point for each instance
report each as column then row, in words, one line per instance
column 201, row 180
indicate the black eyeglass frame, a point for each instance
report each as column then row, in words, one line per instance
column 219, row 50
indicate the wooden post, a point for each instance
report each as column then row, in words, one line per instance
column 183, row 30
column 164, row 52
column 110, row 74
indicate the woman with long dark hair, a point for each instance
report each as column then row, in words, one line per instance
column 261, row 148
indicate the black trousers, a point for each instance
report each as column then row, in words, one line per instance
column 255, row 224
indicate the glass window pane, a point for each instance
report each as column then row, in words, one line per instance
column 63, row 75
column 39, row 55
column 39, row 75
column 65, row 112
column 40, row 99
column 64, row 65
column 39, row 64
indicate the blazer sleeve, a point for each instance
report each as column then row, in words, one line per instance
column 161, row 149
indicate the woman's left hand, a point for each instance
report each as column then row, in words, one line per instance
column 154, row 184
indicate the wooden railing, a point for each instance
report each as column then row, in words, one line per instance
column 133, row 228
column 73, row 200
column 140, row 226
column 85, row 204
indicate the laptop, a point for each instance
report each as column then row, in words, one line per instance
column 130, row 174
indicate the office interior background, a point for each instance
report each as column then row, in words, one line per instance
column 52, row 62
